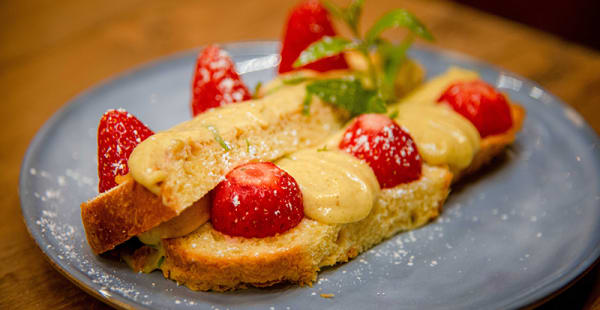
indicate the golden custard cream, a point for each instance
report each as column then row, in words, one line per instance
column 188, row 160
column 207, row 127
column 337, row 188
column 430, row 91
column 443, row 136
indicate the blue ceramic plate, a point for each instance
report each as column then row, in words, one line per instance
column 507, row 238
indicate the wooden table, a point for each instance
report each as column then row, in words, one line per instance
column 52, row 50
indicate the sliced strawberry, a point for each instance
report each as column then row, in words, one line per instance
column 256, row 200
column 308, row 22
column 215, row 81
column 119, row 133
column 386, row 147
column 480, row 103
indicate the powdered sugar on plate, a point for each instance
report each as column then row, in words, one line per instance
column 65, row 241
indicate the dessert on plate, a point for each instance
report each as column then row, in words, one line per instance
column 346, row 147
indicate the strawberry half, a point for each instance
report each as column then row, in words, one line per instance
column 481, row 104
column 256, row 200
column 215, row 81
column 119, row 133
column 386, row 147
column 308, row 22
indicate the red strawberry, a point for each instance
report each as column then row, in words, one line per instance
column 386, row 147
column 119, row 133
column 215, row 81
column 256, row 200
column 480, row 103
column 308, row 22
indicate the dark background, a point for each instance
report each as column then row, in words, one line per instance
column 574, row 20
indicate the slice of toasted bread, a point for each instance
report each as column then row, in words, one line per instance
column 121, row 213
column 209, row 260
column 196, row 161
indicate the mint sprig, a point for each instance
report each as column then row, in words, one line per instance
column 295, row 80
column 218, row 137
column 256, row 90
column 352, row 94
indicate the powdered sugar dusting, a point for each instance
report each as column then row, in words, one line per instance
column 80, row 179
column 65, row 242
column 419, row 249
column 406, row 251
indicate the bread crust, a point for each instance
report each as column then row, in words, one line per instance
column 491, row 146
column 206, row 272
column 117, row 215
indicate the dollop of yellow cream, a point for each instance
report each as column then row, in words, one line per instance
column 191, row 156
column 186, row 222
column 337, row 188
column 431, row 91
column 442, row 135
column 144, row 169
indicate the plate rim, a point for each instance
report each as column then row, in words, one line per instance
column 532, row 299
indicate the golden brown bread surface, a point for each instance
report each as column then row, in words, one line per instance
column 492, row 145
column 275, row 127
column 121, row 213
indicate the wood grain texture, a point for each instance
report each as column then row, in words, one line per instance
column 52, row 50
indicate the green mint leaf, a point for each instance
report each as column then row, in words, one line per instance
column 376, row 105
column 347, row 94
column 327, row 46
column 349, row 15
column 323, row 149
column 394, row 114
column 353, row 13
column 395, row 19
column 161, row 260
column 218, row 137
column 256, row 89
column 295, row 80
column 306, row 103
column 392, row 56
